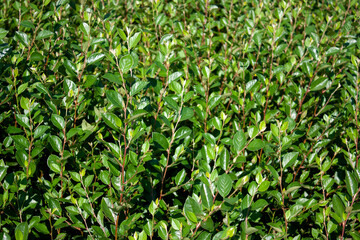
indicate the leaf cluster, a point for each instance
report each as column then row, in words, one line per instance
column 179, row 119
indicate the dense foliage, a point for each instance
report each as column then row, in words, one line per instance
column 179, row 119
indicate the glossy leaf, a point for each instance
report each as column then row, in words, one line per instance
column 94, row 58
column 224, row 185
column 255, row 145
column 126, row 63
column 206, row 196
column 44, row 34
column 160, row 141
column 115, row 98
column 58, row 121
column 289, row 159
column 239, row 140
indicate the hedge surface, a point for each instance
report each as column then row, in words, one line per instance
column 179, row 119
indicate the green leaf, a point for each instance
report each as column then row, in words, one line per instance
column 206, row 196
column 134, row 40
column 75, row 176
column 209, row 138
column 351, row 184
column 44, row 34
column 160, row 141
column 175, row 76
column 332, row 51
column 113, row 78
column 137, row 87
column 53, row 163
column 319, row 84
column 88, row 180
column 22, row 37
column 94, row 58
column 338, row 206
column 239, row 140
column 21, row 141
column 23, row 120
column 105, row 177
column 289, row 159
column 2, row 173
column 55, row 206
column 25, row 103
column 307, row 68
column 137, row 114
column 126, row 63
column 280, row 49
column 186, row 113
column 171, row 103
column 3, row 33
column 85, row 28
column 112, row 120
column 22, row 88
column 191, row 209
column 40, row 130
column 264, row 186
column 70, row 67
column 106, row 208
column 115, row 98
column 252, row 189
column 160, row 19
column 224, row 159
column 314, row 53
column 55, row 143
column 180, row 177
column 182, row 132
column 58, row 121
column 256, row 145
column 257, row 38
column 224, row 185
column 214, row 101
column 152, row 208
column 22, row 231
column 5, row 236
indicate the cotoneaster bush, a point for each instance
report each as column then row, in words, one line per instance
column 179, row 119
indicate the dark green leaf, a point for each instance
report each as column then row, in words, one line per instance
column 137, row 87
column 85, row 28
column 338, row 206
column 115, row 98
column 22, row 231
column 172, row 103
column 255, row 145
column 175, row 76
column 94, row 58
column 224, row 185
column 53, row 163
column 239, row 140
column 319, row 84
column 180, row 177
column 58, row 121
column 3, row 33
column 44, row 34
column 22, row 37
column 182, row 132
column 206, row 196
column 186, row 113
column 160, row 141
column 289, row 159
column 113, row 78
column 55, row 143
column 112, row 120
column 351, row 183
column 21, row 141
